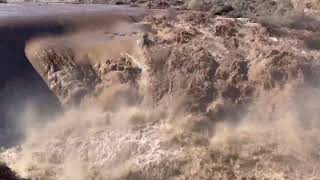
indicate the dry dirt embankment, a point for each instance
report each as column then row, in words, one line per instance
column 178, row 95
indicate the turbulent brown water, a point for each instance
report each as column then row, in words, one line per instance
column 191, row 96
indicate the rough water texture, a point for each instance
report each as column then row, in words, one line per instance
column 192, row 96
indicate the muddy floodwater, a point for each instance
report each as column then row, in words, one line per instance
column 19, row 82
column 189, row 90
